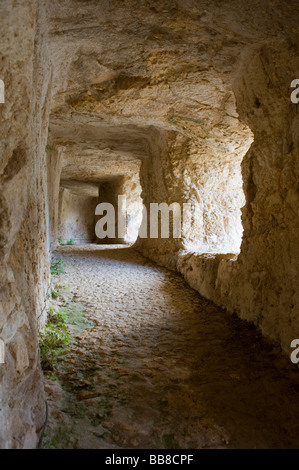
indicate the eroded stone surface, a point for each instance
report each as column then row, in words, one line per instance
column 24, row 259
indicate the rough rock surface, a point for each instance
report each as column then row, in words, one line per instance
column 24, row 259
column 71, row 227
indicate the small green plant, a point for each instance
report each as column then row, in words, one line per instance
column 57, row 267
column 53, row 376
column 55, row 293
column 58, row 290
column 57, row 317
column 75, row 312
column 53, row 342
column 61, row 316
column 71, row 241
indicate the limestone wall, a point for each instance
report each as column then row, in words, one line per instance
column 54, row 168
column 260, row 284
column 23, row 227
column 131, row 189
column 76, row 217
column 180, row 171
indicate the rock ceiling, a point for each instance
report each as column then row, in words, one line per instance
column 121, row 68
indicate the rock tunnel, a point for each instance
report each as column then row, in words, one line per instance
column 167, row 101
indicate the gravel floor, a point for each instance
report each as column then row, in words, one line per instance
column 161, row 367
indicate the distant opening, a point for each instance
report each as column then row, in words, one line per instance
column 77, row 208
column 76, row 216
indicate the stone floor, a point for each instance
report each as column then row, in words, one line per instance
column 161, row 367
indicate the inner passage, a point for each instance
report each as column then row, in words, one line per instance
column 77, row 210
column 209, row 197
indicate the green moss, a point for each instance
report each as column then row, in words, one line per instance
column 56, row 267
column 56, row 442
column 53, row 341
column 75, row 313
